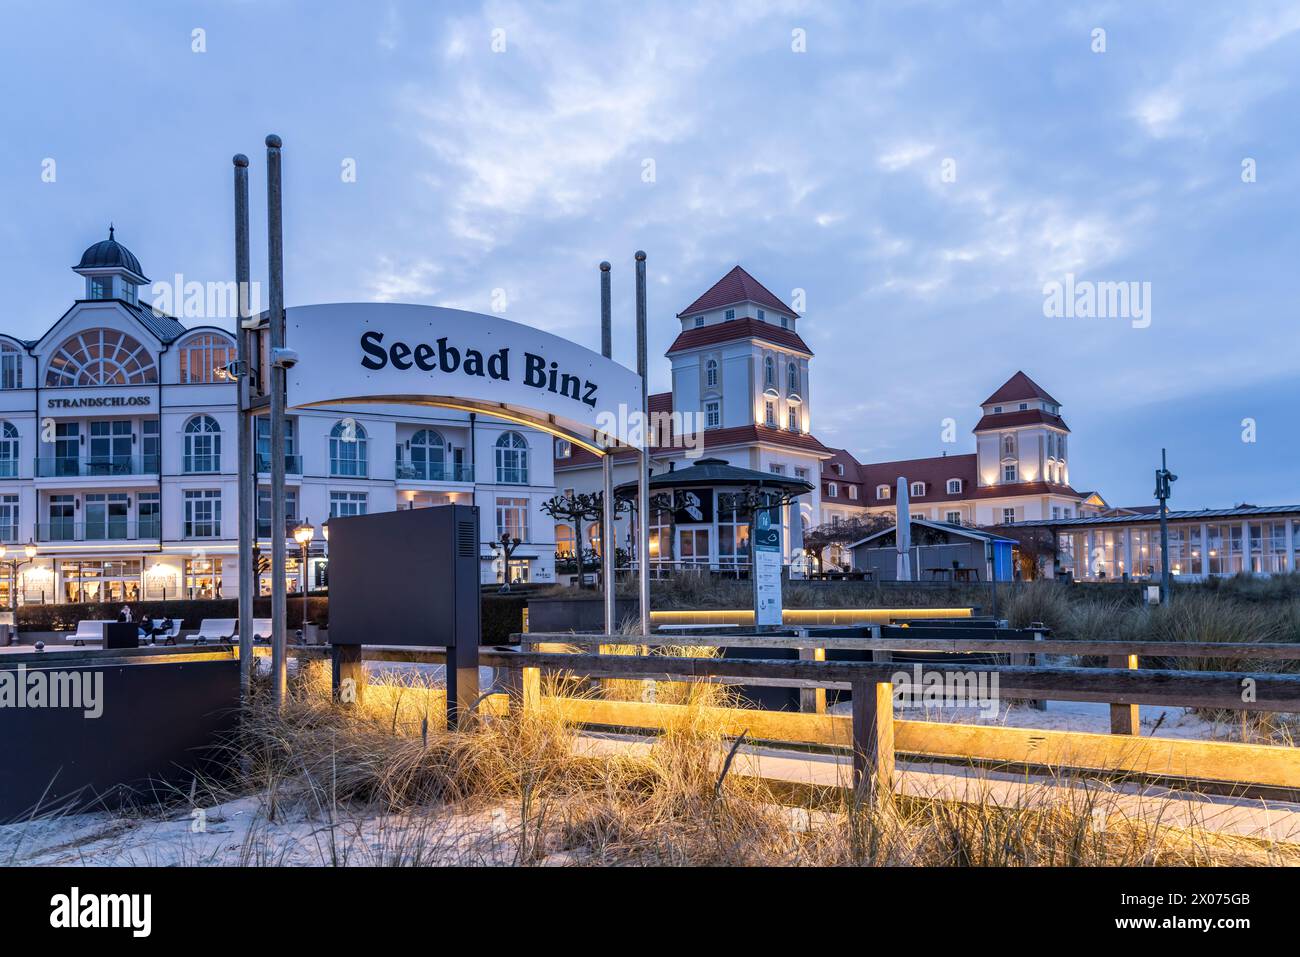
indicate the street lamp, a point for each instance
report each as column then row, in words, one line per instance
column 13, row 564
column 303, row 535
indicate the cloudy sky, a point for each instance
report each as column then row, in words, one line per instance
column 921, row 170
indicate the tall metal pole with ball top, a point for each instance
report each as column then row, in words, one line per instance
column 279, row 522
column 643, row 471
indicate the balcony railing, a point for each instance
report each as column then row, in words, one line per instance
column 107, row 530
column 91, row 466
column 292, row 463
column 434, row 472
column 204, row 462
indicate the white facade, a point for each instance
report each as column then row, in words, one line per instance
column 118, row 450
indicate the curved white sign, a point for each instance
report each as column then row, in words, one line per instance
column 400, row 353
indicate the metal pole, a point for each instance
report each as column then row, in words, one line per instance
column 247, row 356
column 643, row 472
column 608, row 545
column 275, row 273
column 1163, row 491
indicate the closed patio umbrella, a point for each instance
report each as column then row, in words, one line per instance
column 903, row 532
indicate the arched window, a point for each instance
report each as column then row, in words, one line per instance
column 512, row 459
column 563, row 540
column 882, row 491
column 769, row 371
column 428, row 454
column 792, row 378
column 8, row 450
column 1008, row 445
column 202, row 444
column 918, row 489
column 711, row 372
column 204, row 358
column 348, row 449
column 101, row 357
column 11, row 367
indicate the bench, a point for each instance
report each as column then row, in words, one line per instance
column 214, row 629
column 92, row 630
column 169, row 636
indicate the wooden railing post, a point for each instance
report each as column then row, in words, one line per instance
column 873, row 739
column 812, row 700
column 1124, row 718
column 348, row 674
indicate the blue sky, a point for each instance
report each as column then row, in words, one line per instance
column 820, row 170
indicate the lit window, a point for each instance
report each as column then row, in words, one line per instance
column 882, row 491
column 204, row 358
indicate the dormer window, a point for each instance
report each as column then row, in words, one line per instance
column 997, row 409
column 882, row 491
column 731, row 314
column 832, row 490
column 130, row 292
column 1024, row 406
column 954, row 486
column 699, row 321
column 918, row 489
column 563, row 448
column 839, row 468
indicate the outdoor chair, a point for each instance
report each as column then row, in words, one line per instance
column 87, row 631
column 261, row 630
column 167, row 637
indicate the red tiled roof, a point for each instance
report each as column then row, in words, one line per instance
column 1005, row 420
column 1019, row 386
column 736, row 286
column 1026, row 488
column 661, row 402
column 934, row 472
column 738, row 329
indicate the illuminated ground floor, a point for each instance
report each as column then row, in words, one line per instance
column 1202, row 544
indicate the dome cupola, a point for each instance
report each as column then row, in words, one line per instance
column 111, row 271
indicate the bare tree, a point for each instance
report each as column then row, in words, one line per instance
column 843, row 533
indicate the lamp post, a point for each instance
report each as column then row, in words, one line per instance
column 13, row 564
column 303, row 535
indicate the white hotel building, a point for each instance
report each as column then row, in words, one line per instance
column 118, row 453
